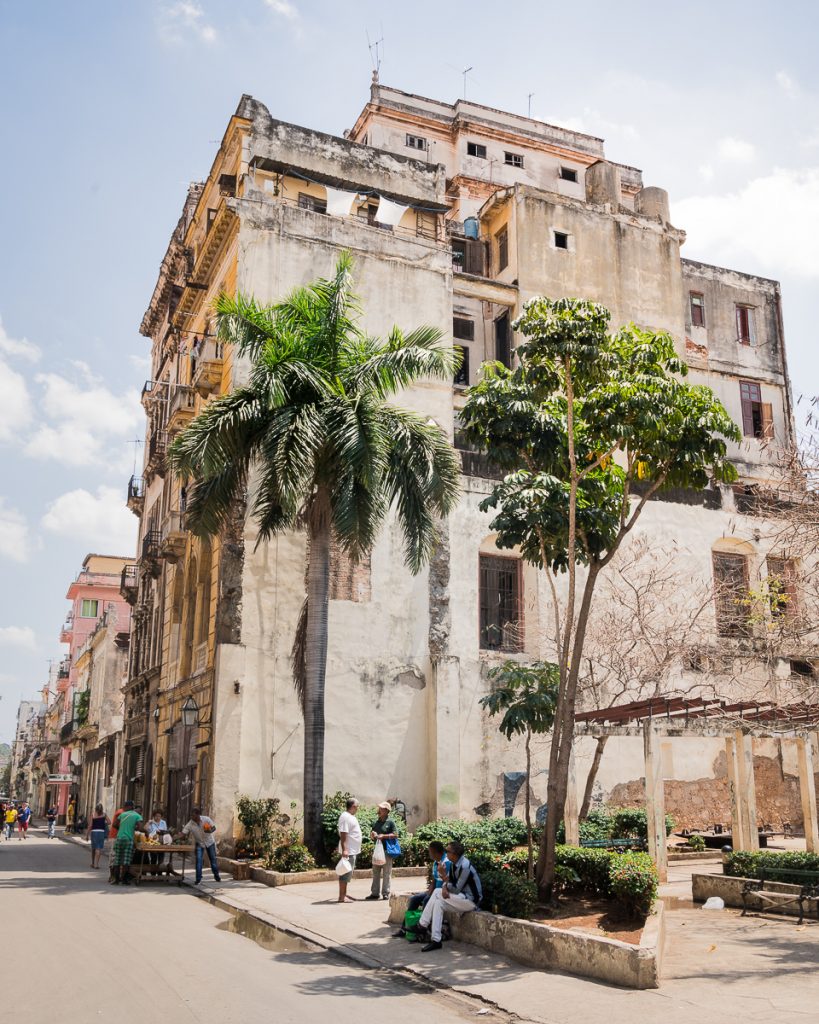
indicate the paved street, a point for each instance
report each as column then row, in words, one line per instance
column 77, row 950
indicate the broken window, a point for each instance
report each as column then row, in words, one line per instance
column 462, row 373
column 501, row 625
column 782, row 586
column 463, row 328
column 697, row 303
column 469, row 256
column 227, row 184
column 211, row 217
column 416, row 141
column 426, row 224
column 746, row 335
column 476, row 149
column 308, row 202
column 757, row 416
column 568, row 174
column 503, row 341
column 561, row 240
column 513, row 159
column 502, row 244
column 731, row 593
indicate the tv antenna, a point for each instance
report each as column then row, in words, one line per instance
column 465, row 72
column 376, row 49
column 529, row 113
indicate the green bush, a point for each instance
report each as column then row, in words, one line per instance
column 592, row 868
column 633, row 881
column 290, row 855
column 260, row 819
column 508, row 894
column 750, row 863
column 628, row 822
column 697, row 843
column 501, row 834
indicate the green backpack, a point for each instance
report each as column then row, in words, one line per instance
column 411, row 921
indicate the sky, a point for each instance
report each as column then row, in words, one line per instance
column 108, row 110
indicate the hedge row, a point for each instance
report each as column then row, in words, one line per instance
column 751, row 864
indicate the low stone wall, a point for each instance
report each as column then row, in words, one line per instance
column 242, row 871
column 570, row 950
column 729, row 889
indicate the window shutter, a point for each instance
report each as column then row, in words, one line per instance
column 739, row 323
column 767, row 421
column 747, row 411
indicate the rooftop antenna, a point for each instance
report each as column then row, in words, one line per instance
column 465, row 72
column 136, row 443
column 529, row 114
column 376, row 52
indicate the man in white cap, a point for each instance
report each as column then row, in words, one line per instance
column 383, row 829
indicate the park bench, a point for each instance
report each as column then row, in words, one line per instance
column 613, row 844
column 804, row 890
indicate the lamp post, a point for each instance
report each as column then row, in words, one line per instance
column 190, row 713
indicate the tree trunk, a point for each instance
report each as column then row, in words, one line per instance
column 530, row 870
column 318, row 590
column 598, row 757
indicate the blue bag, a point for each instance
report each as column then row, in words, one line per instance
column 392, row 848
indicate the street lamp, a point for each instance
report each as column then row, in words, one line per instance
column 190, row 713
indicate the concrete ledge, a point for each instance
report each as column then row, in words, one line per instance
column 562, row 949
column 729, row 888
column 242, row 871
column 712, row 855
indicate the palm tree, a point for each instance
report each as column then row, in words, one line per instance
column 314, row 433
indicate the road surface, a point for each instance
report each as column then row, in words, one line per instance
column 76, row 950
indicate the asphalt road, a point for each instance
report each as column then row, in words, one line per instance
column 76, row 950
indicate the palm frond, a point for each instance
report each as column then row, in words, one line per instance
column 225, row 431
column 244, row 323
column 299, row 656
column 211, row 502
column 403, row 360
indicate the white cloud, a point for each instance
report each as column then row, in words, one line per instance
column 284, row 8
column 182, row 21
column 706, row 172
column 15, row 402
column 767, row 226
column 786, row 83
column 98, row 522
column 18, row 636
column 14, row 540
column 736, row 151
column 21, row 347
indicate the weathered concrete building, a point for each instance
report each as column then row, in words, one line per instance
column 456, row 215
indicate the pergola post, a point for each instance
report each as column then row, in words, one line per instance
column 807, row 790
column 747, row 789
column 737, row 827
column 570, row 810
column 655, row 802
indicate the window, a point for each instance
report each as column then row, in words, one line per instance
column 503, row 346
column 476, row 149
column 211, row 217
column 308, row 202
column 730, row 591
column 89, row 609
column 697, row 303
column 469, row 256
column 568, row 174
column 463, row 329
column 757, row 416
column 227, row 184
column 502, row 243
column 426, row 224
column 462, row 373
column 746, row 335
column 561, row 240
column 782, row 587
column 513, row 159
column 500, row 604
column 416, row 141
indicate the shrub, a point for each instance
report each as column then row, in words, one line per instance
column 508, row 894
column 628, row 822
column 290, row 855
column 633, row 881
column 591, row 867
column 501, row 834
column 750, row 863
column 259, row 819
column 697, row 843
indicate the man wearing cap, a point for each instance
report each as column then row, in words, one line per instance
column 383, row 829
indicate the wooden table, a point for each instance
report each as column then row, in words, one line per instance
column 150, row 871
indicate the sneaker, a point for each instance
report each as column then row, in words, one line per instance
column 400, row 934
column 371, row 897
column 385, row 896
column 430, row 946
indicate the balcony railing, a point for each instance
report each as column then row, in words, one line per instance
column 206, row 356
column 469, row 256
column 64, row 669
column 129, row 583
column 157, row 447
column 150, row 545
column 181, row 407
column 68, row 730
column 136, row 494
column 174, row 537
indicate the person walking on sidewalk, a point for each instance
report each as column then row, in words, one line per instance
column 97, row 832
column 461, row 893
column 11, row 820
column 51, row 818
column 383, row 829
column 23, row 818
column 202, row 829
column 349, row 844
column 70, row 815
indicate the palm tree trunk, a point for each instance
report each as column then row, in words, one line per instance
column 318, row 589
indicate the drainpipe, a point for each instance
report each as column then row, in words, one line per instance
column 788, row 395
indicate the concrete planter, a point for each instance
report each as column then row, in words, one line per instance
column 244, row 870
column 729, row 888
column 569, row 950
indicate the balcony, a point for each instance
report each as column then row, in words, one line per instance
column 68, row 731
column 469, row 256
column 136, row 495
column 129, row 583
column 64, row 669
column 67, row 629
column 181, row 407
column 173, row 537
column 151, row 391
column 157, row 447
column 206, row 356
column 150, row 551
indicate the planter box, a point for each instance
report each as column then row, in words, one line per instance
column 570, row 950
column 243, row 870
column 729, row 888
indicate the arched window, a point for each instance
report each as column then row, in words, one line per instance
column 730, row 560
column 500, row 600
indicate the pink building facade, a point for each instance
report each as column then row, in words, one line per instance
column 95, row 591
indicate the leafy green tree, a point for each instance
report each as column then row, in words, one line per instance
column 315, row 438
column 525, row 695
column 588, row 426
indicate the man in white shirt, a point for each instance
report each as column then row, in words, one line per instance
column 202, row 828
column 349, row 841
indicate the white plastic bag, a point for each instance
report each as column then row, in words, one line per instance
column 379, row 857
column 344, row 867
column 714, row 903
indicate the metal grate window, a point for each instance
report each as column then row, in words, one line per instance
column 731, row 592
column 501, row 621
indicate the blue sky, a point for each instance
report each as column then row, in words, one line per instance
column 109, row 109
